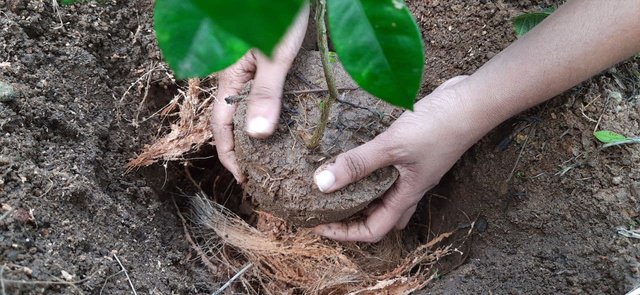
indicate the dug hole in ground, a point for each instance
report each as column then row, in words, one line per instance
column 90, row 90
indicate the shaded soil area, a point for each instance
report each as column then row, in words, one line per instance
column 69, row 208
column 64, row 142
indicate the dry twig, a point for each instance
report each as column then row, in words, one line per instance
column 235, row 277
column 126, row 274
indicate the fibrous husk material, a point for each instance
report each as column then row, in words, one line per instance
column 188, row 134
column 299, row 262
column 284, row 259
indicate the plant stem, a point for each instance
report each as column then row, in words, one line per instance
column 633, row 140
column 323, row 43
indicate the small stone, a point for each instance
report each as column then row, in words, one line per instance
column 27, row 271
column 617, row 180
column 66, row 276
column 481, row 224
column 7, row 93
column 521, row 138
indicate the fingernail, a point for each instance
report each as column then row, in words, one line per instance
column 258, row 126
column 325, row 180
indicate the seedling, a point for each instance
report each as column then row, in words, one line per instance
column 610, row 138
column 377, row 41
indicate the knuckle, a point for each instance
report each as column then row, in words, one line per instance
column 262, row 92
column 371, row 235
column 219, row 128
column 240, row 72
column 355, row 164
column 389, row 147
column 225, row 158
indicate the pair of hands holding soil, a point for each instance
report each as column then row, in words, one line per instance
column 419, row 144
column 423, row 145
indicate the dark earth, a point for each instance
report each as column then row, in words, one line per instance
column 69, row 207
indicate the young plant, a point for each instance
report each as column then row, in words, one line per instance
column 377, row 41
column 610, row 138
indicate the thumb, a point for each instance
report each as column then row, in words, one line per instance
column 263, row 110
column 263, row 103
column 354, row 165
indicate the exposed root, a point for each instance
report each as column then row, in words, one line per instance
column 187, row 135
column 285, row 259
column 203, row 257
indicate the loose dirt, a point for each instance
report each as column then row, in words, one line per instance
column 66, row 136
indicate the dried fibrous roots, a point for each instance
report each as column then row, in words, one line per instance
column 299, row 262
column 188, row 134
column 283, row 259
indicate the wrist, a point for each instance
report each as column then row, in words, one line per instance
column 476, row 113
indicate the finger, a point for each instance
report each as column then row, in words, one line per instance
column 355, row 164
column 263, row 110
column 406, row 217
column 383, row 219
column 230, row 82
column 451, row 82
column 263, row 103
column 233, row 79
column 222, row 127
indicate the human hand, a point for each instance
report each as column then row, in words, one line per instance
column 423, row 145
column 263, row 109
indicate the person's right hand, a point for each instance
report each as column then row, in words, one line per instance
column 423, row 145
column 263, row 110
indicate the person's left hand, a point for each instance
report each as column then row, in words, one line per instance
column 264, row 100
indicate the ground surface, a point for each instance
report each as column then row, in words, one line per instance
column 66, row 136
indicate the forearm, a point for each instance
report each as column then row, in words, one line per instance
column 579, row 40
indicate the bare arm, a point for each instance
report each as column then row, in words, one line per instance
column 579, row 40
column 576, row 42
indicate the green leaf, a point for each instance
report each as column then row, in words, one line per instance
column 523, row 23
column 192, row 44
column 260, row 23
column 380, row 46
column 199, row 37
column 606, row 136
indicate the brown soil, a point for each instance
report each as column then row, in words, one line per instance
column 67, row 135
column 280, row 169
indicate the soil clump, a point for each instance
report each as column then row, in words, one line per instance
column 280, row 169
